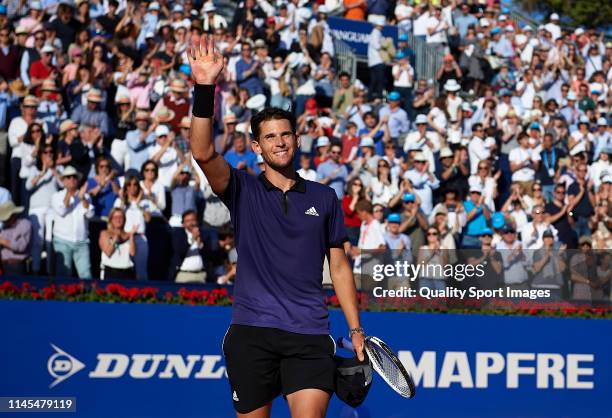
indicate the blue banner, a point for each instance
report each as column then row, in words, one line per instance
column 356, row 33
column 129, row 360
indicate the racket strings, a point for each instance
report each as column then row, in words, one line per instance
column 389, row 370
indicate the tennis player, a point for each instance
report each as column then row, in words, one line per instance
column 278, row 341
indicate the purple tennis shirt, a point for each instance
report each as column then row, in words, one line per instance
column 282, row 239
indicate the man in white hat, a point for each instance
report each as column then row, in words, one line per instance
column 149, row 23
column 426, row 141
column 378, row 74
column 42, row 69
column 212, row 20
column 140, row 140
column 15, row 239
column 164, row 154
column 423, row 181
column 553, row 26
column 92, row 114
column 50, row 110
column 72, row 207
column 177, row 101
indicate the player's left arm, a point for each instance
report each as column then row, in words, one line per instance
column 344, row 286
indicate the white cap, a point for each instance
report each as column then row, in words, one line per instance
column 584, row 119
column 502, row 18
column 256, row 102
column 47, row 49
column 454, row 136
column 377, row 20
column 419, row 156
column 607, row 179
column 527, row 28
column 161, row 130
column 35, row 5
column 149, row 35
column 209, row 7
column 571, row 95
column 366, row 141
column 484, row 22
column 446, row 152
column 578, row 148
column 178, row 9
column 322, row 9
column 153, row 6
column 489, row 142
column 554, row 16
column 421, row 119
column 466, row 107
column 509, row 28
column 322, row 141
column 579, row 31
column 475, row 188
column 602, row 122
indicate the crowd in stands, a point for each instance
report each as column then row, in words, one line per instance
column 505, row 149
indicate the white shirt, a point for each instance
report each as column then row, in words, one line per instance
column 440, row 34
column 371, row 237
column 309, row 174
column 168, row 164
column 423, row 187
column 193, row 260
column 531, row 243
column 17, row 128
column 477, row 152
column 516, row 272
column 374, row 48
column 452, row 106
column 70, row 223
column 518, row 156
column 405, row 76
column 420, row 24
column 383, row 193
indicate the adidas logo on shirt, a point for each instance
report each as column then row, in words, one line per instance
column 235, row 396
column 312, row 212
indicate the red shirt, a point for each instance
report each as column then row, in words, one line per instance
column 348, row 143
column 39, row 71
column 351, row 220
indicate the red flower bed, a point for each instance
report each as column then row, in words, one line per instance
column 113, row 292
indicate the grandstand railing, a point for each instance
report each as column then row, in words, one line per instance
column 428, row 58
column 345, row 57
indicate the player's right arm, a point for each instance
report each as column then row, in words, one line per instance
column 206, row 65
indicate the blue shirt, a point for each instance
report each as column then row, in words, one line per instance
column 338, row 181
column 104, row 200
column 183, row 198
column 97, row 118
column 478, row 222
column 138, row 151
column 281, row 239
column 398, row 120
column 234, row 158
column 252, row 83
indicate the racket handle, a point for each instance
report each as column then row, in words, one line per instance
column 345, row 343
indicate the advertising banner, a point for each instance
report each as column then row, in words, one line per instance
column 356, row 33
column 146, row 360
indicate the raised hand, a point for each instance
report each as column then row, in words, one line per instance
column 205, row 60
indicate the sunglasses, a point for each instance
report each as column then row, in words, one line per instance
column 48, row 152
column 487, row 235
column 36, row 131
column 383, row 166
column 104, row 166
column 335, row 152
column 537, row 189
column 432, row 234
column 72, row 176
column 147, row 170
column 358, row 184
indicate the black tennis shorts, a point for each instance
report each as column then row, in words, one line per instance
column 263, row 362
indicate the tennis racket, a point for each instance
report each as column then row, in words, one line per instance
column 386, row 364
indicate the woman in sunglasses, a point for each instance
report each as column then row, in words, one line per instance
column 433, row 257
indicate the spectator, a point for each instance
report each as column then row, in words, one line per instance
column 423, row 181
column 477, row 216
column 513, row 257
column 583, row 270
column 188, row 261
column 434, row 258
column 491, row 262
column 152, row 189
column 548, row 268
column 164, row 154
column 332, row 172
column 557, row 211
column 376, row 65
column 9, row 56
column 383, row 188
column 414, row 222
column 90, row 114
column 15, row 239
column 117, row 247
column 177, row 102
column 240, row 157
column 581, row 199
column 16, row 134
column 72, row 208
column 393, row 116
column 354, row 193
column 137, row 210
column 140, row 140
column 305, row 171
column 355, row 9
column 103, row 187
column 371, row 239
column 42, row 183
column 183, row 195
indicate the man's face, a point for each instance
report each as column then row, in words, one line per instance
column 345, row 82
column 190, row 221
column 334, row 153
column 70, row 182
column 508, row 237
column 246, row 51
column 141, row 124
column 547, row 142
column 581, row 171
column 370, row 121
column 560, row 194
column 393, row 227
column 277, row 143
column 239, row 144
column 538, row 214
column 548, row 242
column 91, row 105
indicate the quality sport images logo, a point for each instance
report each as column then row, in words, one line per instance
column 429, row 369
column 62, row 365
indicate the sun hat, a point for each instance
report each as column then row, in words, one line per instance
column 366, row 141
column 94, row 96
column 162, row 130
column 66, row 125
column 452, row 85
column 164, row 115
column 8, row 209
